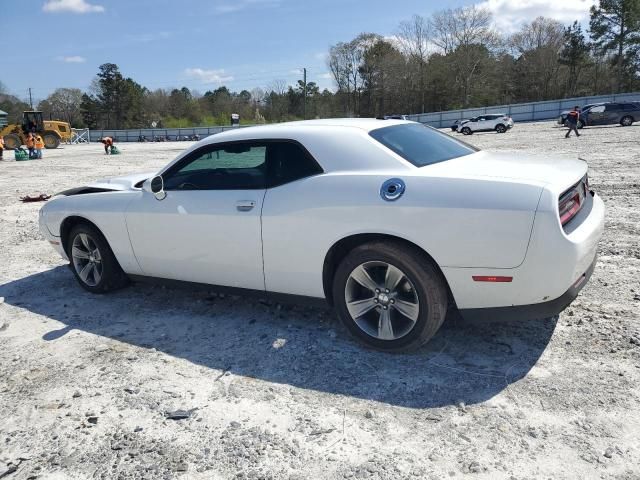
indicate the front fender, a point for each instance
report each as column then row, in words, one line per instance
column 106, row 211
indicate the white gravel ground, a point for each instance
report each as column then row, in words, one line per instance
column 281, row 392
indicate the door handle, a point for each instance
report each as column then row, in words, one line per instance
column 245, row 205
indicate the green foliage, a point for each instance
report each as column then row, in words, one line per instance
column 615, row 30
column 453, row 59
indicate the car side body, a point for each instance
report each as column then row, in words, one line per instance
column 624, row 114
column 476, row 218
column 562, row 118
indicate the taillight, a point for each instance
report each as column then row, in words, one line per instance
column 572, row 200
column 569, row 208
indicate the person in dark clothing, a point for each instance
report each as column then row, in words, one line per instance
column 572, row 121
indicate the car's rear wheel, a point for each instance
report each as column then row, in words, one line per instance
column 390, row 297
column 626, row 121
column 501, row 128
column 466, row 131
column 92, row 261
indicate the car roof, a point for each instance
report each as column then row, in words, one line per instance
column 314, row 135
column 366, row 124
column 283, row 130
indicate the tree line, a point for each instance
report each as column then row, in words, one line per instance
column 455, row 58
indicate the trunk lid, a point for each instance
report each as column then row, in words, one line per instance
column 521, row 167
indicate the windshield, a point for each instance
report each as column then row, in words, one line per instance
column 421, row 145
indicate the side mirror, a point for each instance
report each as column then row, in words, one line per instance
column 157, row 187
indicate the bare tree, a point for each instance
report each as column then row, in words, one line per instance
column 414, row 38
column 538, row 45
column 345, row 63
column 462, row 27
column 63, row 104
column 467, row 34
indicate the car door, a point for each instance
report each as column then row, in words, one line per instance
column 596, row 115
column 207, row 227
column 480, row 124
column 612, row 113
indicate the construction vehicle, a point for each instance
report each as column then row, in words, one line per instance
column 52, row 131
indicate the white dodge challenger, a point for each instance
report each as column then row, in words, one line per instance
column 390, row 222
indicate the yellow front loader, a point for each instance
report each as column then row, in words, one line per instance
column 52, row 131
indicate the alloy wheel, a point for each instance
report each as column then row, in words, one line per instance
column 381, row 300
column 87, row 259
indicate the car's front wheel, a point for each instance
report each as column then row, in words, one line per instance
column 501, row 128
column 580, row 124
column 466, row 131
column 92, row 261
column 390, row 297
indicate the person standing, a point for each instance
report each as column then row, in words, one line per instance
column 572, row 121
column 108, row 144
column 39, row 143
column 1, row 146
column 31, row 145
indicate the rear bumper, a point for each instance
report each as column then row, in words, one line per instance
column 532, row 311
column 556, row 260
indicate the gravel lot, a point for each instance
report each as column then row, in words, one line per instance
column 98, row 386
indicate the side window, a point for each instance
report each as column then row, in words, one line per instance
column 598, row 109
column 288, row 162
column 237, row 166
column 631, row 106
column 613, row 107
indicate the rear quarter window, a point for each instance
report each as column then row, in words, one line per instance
column 421, row 145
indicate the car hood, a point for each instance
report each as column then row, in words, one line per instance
column 126, row 182
column 117, row 184
column 517, row 166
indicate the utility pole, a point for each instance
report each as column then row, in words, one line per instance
column 30, row 99
column 304, row 97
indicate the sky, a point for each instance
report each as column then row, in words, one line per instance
column 203, row 44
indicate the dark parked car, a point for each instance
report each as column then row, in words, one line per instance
column 611, row 114
column 562, row 119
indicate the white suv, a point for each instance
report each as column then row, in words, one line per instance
column 486, row 123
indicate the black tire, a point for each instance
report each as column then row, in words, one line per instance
column 51, row 141
column 466, row 131
column 626, row 121
column 501, row 128
column 425, row 279
column 580, row 125
column 12, row 141
column 112, row 277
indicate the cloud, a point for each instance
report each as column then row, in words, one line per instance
column 148, row 37
column 73, row 6
column 208, row 76
column 72, row 59
column 325, row 76
column 510, row 14
column 321, row 56
column 238, row 5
